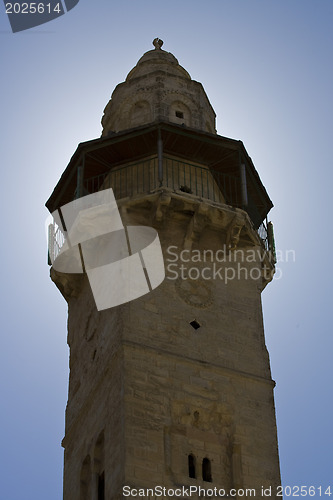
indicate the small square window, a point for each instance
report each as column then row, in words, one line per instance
column 179, row 114
column 195, row 324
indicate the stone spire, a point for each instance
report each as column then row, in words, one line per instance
column 158, row 89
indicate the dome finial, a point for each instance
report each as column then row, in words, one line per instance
column 157, row 42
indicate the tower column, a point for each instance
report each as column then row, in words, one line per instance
column 172, row 388
column 160, row 157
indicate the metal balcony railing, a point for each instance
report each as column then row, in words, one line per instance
column 265, row 232
column 56, row 239
column 126, row 181
column 200, row 181
column 143, row 177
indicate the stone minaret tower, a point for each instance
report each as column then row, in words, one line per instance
column 174, row 388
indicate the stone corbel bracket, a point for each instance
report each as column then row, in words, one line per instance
column 162, row 206
column 69, row 285
column 234, row 230
column 199, row 220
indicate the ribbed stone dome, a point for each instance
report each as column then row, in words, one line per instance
column 158, row 89
column 157, row 60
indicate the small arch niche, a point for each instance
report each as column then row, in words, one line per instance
column 101, row 487
column 85, row 478
column 99, row 467
column 180, row 113
column 206, row 470
column 191, row 466
column 140, row 114
column 209, row 128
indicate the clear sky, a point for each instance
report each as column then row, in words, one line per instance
column 267, row 68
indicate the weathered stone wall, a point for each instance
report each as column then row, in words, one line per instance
column 206, row 392
column 159, row 390
column 176, row 407
column 95, row 401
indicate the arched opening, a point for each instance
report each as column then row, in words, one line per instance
column 140, row 114
column 101, row 487
column 191, row 466
column 180, row 113
column 209, row 128
column 206, row 470
column 85, row 478
column 99, row 467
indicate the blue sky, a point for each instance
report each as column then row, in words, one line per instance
column 267, row 68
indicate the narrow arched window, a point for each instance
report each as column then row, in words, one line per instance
column 101, row 487
column 85, row 478
column 191, row 466
column 99, row 467
column 206, row 470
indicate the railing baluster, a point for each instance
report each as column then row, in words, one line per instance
column 173, row 175
column 155, row 164
column 143, row 179
column 207, row 184
column 230, row 189
column 179, row 174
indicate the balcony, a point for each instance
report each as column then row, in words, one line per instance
column 144, row 177
column 179, row 176
column 163, row 156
